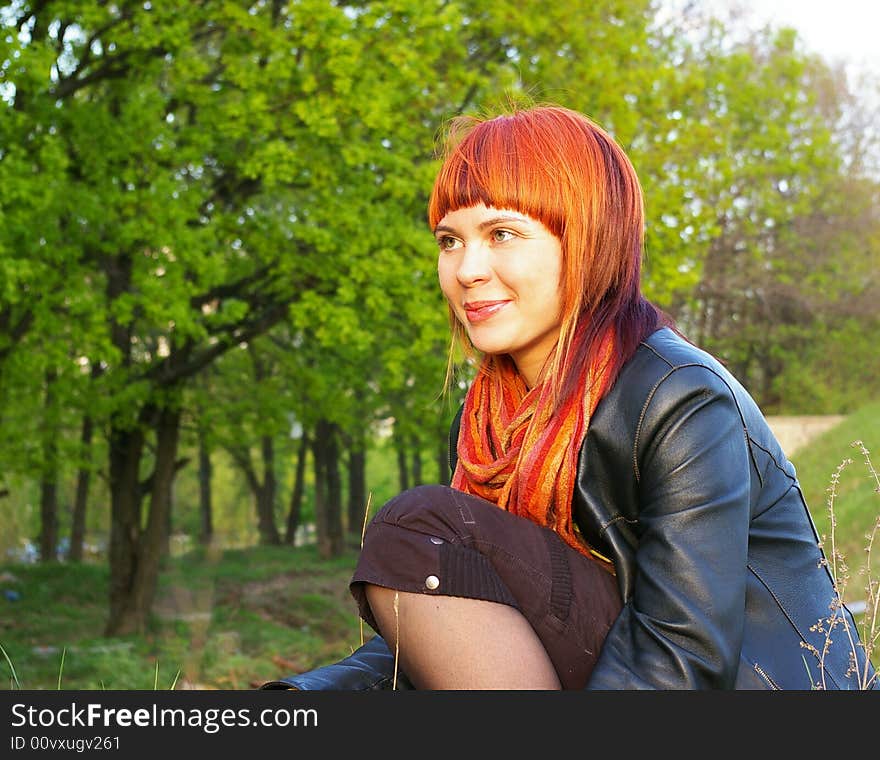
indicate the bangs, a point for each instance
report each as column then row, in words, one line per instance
column 501, row 163
column 561, row 168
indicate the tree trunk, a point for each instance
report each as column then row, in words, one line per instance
column 135, row 555
column 319, row 464
column 83, row 477
column 328, row 491
column 155, row 534
column 263, row 491
column 48, row 517
column 416, row 459
column 296, row 496
column 167, row 530
column 335, row 536
column 206, row 518
column 443, row 474
column 269, row 535
column 83, row 481
column 402, row 468
column 49, row 477
column 357, row 489
column 126, row 449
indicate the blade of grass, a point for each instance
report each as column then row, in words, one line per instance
column 363, row 532
column 11, row 667
column 809, row 674
column 61, row 668
column 396, row 637
column 174, row 682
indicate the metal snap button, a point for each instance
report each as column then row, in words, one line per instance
column 435, row 540
column 432, row 581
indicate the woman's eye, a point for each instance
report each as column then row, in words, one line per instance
column 501, row 236
column 447, row 243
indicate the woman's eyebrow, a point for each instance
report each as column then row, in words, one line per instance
column 500, row 219
column 487, row 223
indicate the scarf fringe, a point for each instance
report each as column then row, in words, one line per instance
column 516, row 452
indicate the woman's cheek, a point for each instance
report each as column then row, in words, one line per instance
column 446, row 277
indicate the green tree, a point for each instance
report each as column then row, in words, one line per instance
column 762, row 210
column 223, row 161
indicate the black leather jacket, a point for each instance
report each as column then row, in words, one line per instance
column 682, row 483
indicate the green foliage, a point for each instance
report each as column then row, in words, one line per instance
column 253, row 615
column 768, row 214
column 829, row 369
column 856, row 503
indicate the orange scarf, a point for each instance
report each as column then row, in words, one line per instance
column 513, row 450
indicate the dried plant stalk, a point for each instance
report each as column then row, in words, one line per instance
column 363, row 533
column 870, row 631
column 396, row 637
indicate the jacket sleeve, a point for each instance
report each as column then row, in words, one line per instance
column 368, row 668
column 682, row 628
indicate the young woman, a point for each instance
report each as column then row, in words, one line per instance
column 620, row 515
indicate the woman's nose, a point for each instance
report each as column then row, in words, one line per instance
column 474, row 265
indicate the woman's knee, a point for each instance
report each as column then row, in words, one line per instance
column 426, row 508
column 429, row 496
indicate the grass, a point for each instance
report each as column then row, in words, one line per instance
column 841, row 484
column 231, row 620
column 856, row 501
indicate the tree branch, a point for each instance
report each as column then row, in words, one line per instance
column 242, row 458
column 228, row 290
column 15, row 330
column 113, row 68
column 183, row 364
column 86, row 57
column 146, row 485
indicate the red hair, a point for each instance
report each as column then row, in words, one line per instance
column 559, row 167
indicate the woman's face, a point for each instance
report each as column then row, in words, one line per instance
column 500, row 271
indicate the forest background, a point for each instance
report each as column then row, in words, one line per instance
column 220, row 325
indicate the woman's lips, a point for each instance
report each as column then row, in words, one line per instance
column 480, row 311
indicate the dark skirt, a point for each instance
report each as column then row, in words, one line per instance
column 437, row 540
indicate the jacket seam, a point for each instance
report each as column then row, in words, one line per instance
column 769, row 453
column 603, row 528
column 658, row 354
column 635, row 450
column 770, row 506
column 787, row 616
column 674, row 368
column 644, row 411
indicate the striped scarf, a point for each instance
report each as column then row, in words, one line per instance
column 513, row 450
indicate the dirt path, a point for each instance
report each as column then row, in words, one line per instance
column 795, row 431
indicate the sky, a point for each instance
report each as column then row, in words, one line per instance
column 839, row 30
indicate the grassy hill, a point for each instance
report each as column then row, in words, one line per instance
column 856, row 503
